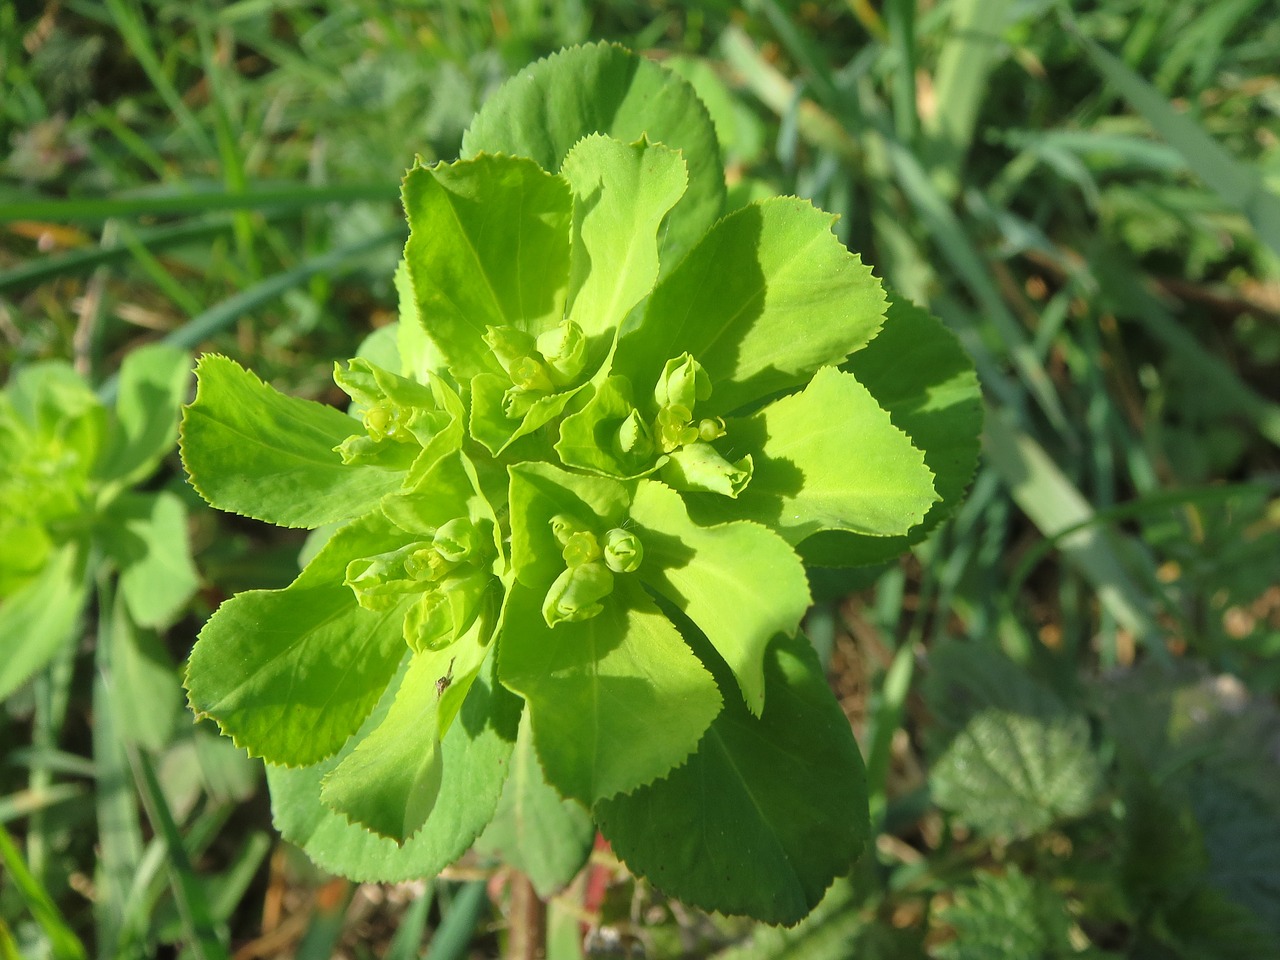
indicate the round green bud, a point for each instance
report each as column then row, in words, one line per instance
column 581, row 547
column 576, row 594
column 623, row 551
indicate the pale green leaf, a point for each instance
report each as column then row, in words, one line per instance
column 535, row 831
column 147, row 537
column 602, row 88
column 915, row 369
column 765, row 814
column 390, row 781
column 615, row 701
column 474, row 765
column 40, row 617
column 488, row 246
column 290, row 674
column 139, row 662
column 621, row 193
column 739, row 582
column 1006, row 916
column 828, row 458
column 767, row 297
column 152, row 386
column 249, row 449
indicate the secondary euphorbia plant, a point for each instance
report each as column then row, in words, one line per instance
column 577, row 488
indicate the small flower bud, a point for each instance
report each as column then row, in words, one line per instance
column 711, row 428
column 634, row 436
column 565, row 350
column 509, row 345
column 699, row 466
column 623, row 551
column 576, row 594
column 381, row 580
column 581, row 547
column 458, row 540
column 563, row 527
column 683, row 382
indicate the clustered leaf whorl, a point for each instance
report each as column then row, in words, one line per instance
column 575, row 490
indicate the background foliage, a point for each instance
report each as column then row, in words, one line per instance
column 1065, row 698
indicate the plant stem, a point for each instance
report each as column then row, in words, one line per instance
column 528, row 929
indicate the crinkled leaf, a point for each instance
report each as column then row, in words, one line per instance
column 615, row 701
column 40, row 617
column 767, row 297
column 1013, row 774
column 621, row 193
column 917, row 370
column 591, row 436
column 767, row 811
column 474, row 763
column 827, row 458
column 488, row 246
column 1006, row 916
column 152, row 387
column 495, row 429
column 146, row 534
column 390, row 781
column 740, row 583
column 290, row 674
column 535, row 831
column 252, row 450
column 601, row 88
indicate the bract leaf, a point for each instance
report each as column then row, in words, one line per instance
column 739, row 582
column 488, row 246
column 916, row 370
column 474, row 763
column 290, row 674
column 390, row 781
column 153, row 384
column 615, row 701
column 767, row 297
column 767, row 811
column 607, row 434
column 827, row 458
column 621, row 192
column 146, row 534
column 534, row 830
column 602, row 88
column 38, row 618
column 251, row 450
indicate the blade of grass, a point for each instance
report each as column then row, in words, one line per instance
column 25, row 802
column 454, row 934
column 201, row 935
column 1054, row 505
column 186, row 201
column 407, row 943
column 1238, row 184
column 332, row 900
column 64, row 944
column 960, row 84
column 901, row 21
column 133, row 31
column 221, row 315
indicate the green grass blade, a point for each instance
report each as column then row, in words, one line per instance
column 453, row 936
column 186, row 201
column 407, row 943
column 25, row 802
column 1238, row 184
column 64, row 944
column 900, row 17
column 198, row 927
column 1054, row 505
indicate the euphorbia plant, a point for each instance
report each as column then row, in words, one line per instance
column 578, row 487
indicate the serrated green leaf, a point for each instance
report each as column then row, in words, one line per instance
column 488, row 246
column 535, row 831
column 767, row 811
column 146, row 534
column 290, row 674
column 39, row 618
column 1013, row 774
column 475, row 758
column 739, row 582
column 917, row 371
column 1006, row 917
column 251, row 450
column 152, row 386
column 621, row 194
column 827, row 458
column 601, row 88
column 615, row 701
column 390, row 781
column 767, row 297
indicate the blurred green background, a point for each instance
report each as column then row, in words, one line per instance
column 1066, row 698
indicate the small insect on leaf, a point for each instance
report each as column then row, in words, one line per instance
column 442, row 683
